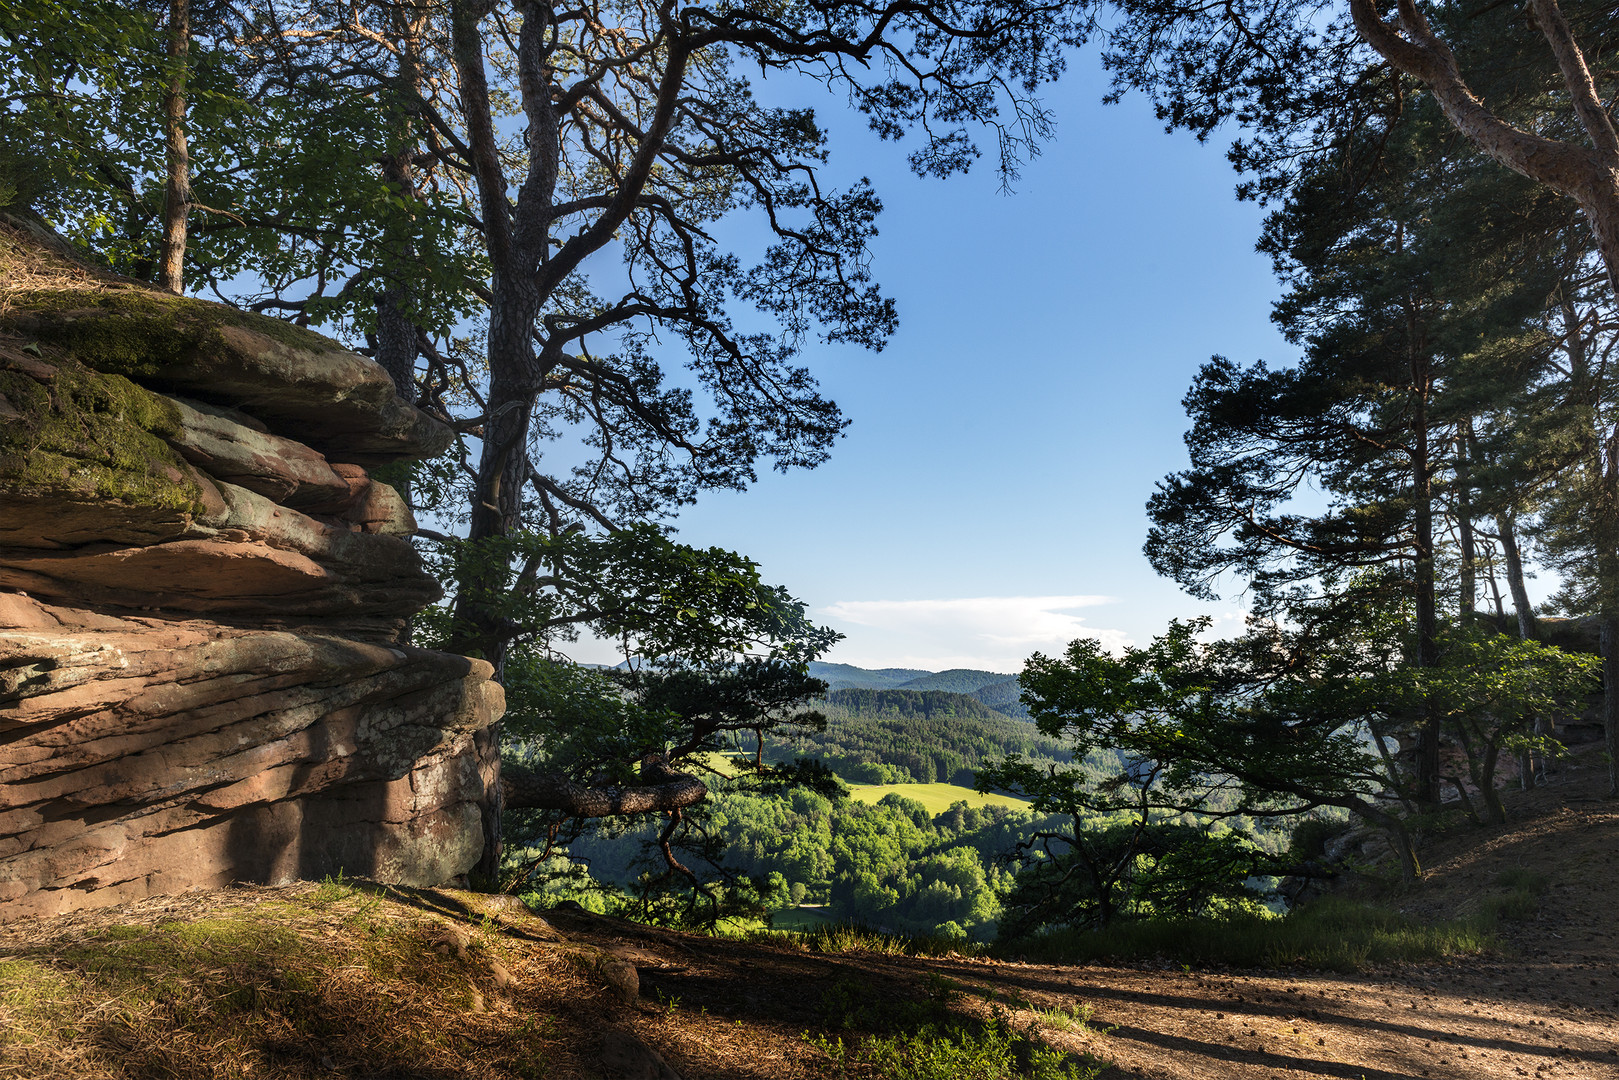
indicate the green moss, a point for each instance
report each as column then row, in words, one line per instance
column 139, row 332
column 151, row 960
column 37, row 1002
column 93, row 435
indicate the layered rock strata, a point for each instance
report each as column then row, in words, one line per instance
column 202, row 595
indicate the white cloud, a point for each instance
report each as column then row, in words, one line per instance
column 995, row 633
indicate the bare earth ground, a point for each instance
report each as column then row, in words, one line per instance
column 1546, row 1004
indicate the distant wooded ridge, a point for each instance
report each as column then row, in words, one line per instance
column 899, row 725
column 998, row 690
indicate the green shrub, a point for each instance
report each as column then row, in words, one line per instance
column 1521, row 900
column 1310, row 837
column 1329, row 934
column 924, row 1040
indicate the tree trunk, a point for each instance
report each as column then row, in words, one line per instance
column 517, row 239
column 1506, row 525
column 1422, row 545
column 1486, row 783
column 662, row 789
column 397, row 330
column 1461, row 796
column 1468, row 571
column 1610, row 698
column 1588, row 175
column 1400, row 838
column 1495, row 589
column 177, row 193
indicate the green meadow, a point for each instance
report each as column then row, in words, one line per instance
column 936, row 797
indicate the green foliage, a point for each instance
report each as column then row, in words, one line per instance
column 934, row 1052
column 1178, row 727
column 876, row 736
column 670, row 602
column 1328, row 934
column 1492, row 685
column 925, row 1040
column 1517, row 895
column 1309, row 838
column 286, row 183
column 1283, row 721
column 81, row 83
column 845, row 676
column 910, row 703
column 938, row 799
column 889, row 866
column 1133, row 871
column 955, row 681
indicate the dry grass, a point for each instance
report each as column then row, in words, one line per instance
column 32, row 260
column 302, row 982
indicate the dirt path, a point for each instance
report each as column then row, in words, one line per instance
column 1545, row 1005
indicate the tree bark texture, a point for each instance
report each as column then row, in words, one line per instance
column 662, row 790
column 177, row 191
column 1468, row 600
column 1506, row 527
column 397, row 331
column 1427, row 764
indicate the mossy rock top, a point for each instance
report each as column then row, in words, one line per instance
column 83, row 437
column 299, row 383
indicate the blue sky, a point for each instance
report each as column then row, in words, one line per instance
column 988, row 498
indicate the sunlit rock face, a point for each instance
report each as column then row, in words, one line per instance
column 203, row 591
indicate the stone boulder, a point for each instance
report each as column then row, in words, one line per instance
column 339, row 402
column 203, row 594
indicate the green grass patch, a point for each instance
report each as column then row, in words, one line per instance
column 842, row 937
column 1330, row 934
column 1075, row 1017
column 1515, row 896
column 927, row 1039
column 36, row 1006
column 936, row 797
column 802, row 919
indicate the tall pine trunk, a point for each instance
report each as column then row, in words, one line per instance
column 1506, row 527
column 1422, row 552
column 397, row 330
column 177, row 190
column 517, row 238
column 1468, row 600
column 1529, row 763
column 1609, row 624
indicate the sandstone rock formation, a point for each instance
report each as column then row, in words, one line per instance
column 202, row 595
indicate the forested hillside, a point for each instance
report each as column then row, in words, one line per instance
column 914, row 736
column 996, row 689
column 1003, row 696
column 891, row 865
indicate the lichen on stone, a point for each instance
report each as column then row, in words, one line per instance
column 92, row 434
